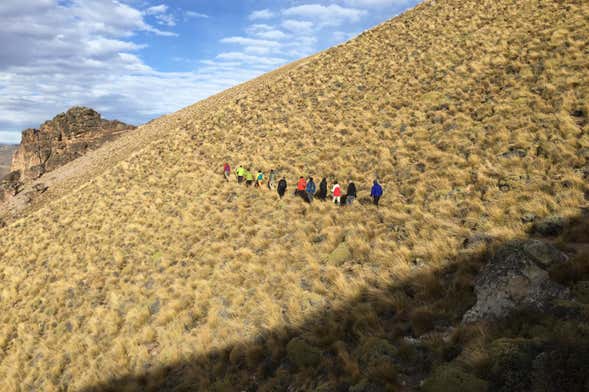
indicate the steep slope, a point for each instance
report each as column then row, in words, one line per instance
column 157, row 273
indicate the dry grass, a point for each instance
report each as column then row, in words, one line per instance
column 155, row 259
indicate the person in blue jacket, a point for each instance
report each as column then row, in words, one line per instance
column 376, row 192
column 311, row 189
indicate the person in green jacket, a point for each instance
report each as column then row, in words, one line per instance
column 249, row 178
column 240, row 173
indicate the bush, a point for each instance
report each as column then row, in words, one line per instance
column 453, row 378
column 302, row 353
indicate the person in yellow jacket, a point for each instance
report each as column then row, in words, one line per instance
column 249, row 178
column 240, row 173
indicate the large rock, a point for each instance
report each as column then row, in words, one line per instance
column 10, row 185
column 63, row 139
column 516, row 278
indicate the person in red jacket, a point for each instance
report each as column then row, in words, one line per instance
column 301, row 188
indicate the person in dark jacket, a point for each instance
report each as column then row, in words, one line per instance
column 322, row 194
column 281, row 187
column 351, row 193
column 376, row 192
column 311, row 189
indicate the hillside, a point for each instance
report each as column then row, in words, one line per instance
column 6, row 151
column 149, row 271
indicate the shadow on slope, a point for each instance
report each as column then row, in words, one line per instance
column 392, row 338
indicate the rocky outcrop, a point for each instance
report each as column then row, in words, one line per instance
column 516, row 278
column 63, row 139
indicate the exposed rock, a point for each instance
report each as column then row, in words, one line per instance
column 10, row 185
column 528, row 218
column 515, row 152
column 550, row 226
column 40, row 187
column 63, row 139
column 515, row 278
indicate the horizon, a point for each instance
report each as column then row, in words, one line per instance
column 134, row 60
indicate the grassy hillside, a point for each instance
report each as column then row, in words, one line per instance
column 156, row 273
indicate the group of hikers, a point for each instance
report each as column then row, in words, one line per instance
column 306, row 188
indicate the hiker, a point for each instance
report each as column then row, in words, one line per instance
column 249, row 178
column 240, row 173
column 337, row 193
column 311, row 189
column 376, row 192
column 322, row 194
column 351, row 193
column 282, row 187
column 301, row 187
column 271, row 179
column 226, row 171
column 259, row 179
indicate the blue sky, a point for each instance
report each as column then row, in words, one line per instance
column 135, row 60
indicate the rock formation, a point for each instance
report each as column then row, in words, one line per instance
column 516, row 278
column 63, row 139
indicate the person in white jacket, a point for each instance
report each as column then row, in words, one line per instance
column 337, row 193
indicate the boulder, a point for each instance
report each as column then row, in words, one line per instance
column 550, row 226
column 40, row 187
column 516, row 278
column 66, row 137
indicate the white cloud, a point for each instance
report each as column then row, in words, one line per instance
column 192, row 14
column 249, row 41
column 157, row 9
column 266, row 32
column 375, row 3
column 251, row 59
column 160, row 13
column 297, row 26
column 262, row 14
column 331, row 15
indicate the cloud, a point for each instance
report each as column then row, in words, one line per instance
column 297, row 26
column 331, row 15
column 251, row 59
column 261, row 14
column 249, row 41
column 156, row 9
column 160, row 13
column 266, row 32
column 375, row 3
column 192, row 14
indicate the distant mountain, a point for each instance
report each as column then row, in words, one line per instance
column 6, row 152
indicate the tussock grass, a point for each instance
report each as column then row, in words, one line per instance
column 463, row 111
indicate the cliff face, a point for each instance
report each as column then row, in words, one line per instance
column 6, row 152
column 63, row 139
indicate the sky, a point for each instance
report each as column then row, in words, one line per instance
column 135, row 60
